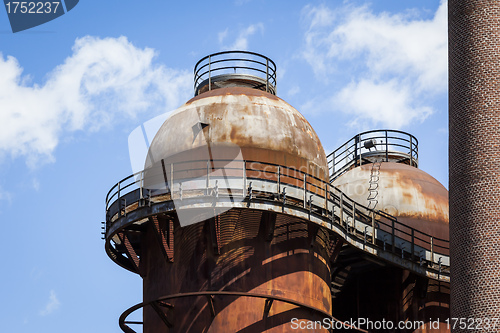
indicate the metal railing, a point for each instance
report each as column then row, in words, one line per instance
column 295, row 190
column 235, row 62
column 387, row 145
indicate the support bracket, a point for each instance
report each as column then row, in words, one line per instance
column 130, row 251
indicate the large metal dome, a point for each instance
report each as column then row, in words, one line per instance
column 264, row 127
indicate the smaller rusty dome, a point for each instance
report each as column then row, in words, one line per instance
column 411, row 195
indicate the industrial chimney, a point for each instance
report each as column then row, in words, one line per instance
column 474, row 159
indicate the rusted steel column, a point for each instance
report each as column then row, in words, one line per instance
column 474, row 157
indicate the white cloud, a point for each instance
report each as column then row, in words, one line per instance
column 395, row 60
column 386, row 103
column 5, row 195
column 51, row 306
column 293, row 91
column 222, row 35
column 241, row 2
column 36, row 184
column 241, row 41
column 103, row 79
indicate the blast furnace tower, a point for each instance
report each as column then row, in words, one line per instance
column 239, row 221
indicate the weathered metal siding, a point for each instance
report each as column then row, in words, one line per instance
column 286, row 265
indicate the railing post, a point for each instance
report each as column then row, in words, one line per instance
column 341, row 204
column 119, row 201
column 172, row 180
column 305, row 190
column 164, row 175
column 326, row 199
column 141, row 186
column 432, row 251
column 208, row 178
column 209, row 72
column 416, row 154
column 393, row 236
column 279, row 179
column 267, row 75
column 411, row 151
column 359, row 142
column 244, row 179
column 412, row 243
column 373, row 227
column 354, row 216
column 333, row 163
column 386, row 147
column 356, row 141
column 333, row 213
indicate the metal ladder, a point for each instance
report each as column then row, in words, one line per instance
column 373, row 185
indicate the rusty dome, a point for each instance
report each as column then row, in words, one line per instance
column 411, row 195
column 264, row 127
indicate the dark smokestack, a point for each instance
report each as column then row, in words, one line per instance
column 474, row 157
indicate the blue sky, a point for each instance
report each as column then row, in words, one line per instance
column 73, row 89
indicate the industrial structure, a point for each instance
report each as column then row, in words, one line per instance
column 240, row 222
column 474, row 155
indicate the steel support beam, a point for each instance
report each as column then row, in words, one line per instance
column 130, row 251
column 165, row 238
column 159, row 307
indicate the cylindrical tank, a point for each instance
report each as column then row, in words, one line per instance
column 269, row 130
column 474, row 155
column 243, row 251
column 375, row 179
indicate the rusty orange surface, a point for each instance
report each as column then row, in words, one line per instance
column 262, row 126
column 410, row 194
column 286, row 266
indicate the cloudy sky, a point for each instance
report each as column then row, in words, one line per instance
column 73, row 89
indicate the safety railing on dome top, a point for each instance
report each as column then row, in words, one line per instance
column 295, row 190
column 231, row 63
column 387, row 145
